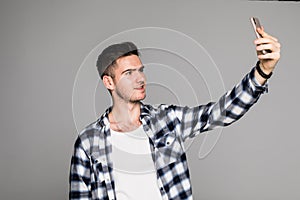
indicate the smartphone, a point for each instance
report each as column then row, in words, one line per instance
column 256, row 24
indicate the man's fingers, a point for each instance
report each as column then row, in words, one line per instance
column 265, row 35
column 264, row 47
column 265, row 41
column 268, row 56
column 268, row 46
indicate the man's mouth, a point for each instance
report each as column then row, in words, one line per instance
column 142, row 87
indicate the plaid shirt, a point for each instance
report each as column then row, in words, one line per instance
column 167, row 127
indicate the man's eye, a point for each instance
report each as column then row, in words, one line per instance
column 128, row 73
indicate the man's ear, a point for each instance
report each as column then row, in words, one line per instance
column 108, row 82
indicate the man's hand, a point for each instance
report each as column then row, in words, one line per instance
column 269, row 60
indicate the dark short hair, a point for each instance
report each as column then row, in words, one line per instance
column 110, row 54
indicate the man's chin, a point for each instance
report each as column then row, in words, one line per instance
column 138, row 99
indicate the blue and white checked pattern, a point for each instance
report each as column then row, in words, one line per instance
column 167, row 127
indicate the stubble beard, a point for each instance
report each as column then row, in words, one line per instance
column 129, row 98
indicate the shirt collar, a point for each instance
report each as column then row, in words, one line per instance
column 144, row 112
column 103, row 120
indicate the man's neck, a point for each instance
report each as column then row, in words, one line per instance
column 125, row 117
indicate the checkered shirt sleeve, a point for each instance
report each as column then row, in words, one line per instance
column 228, row 109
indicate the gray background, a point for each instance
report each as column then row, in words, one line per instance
column 43, row 43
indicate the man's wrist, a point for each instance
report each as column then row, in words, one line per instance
column 257, row 83
column 266, row 74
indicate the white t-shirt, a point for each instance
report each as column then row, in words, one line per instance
column 134, row 172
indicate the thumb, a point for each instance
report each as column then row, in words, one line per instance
column 262, row 32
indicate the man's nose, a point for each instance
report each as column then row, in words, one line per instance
column 140, row 77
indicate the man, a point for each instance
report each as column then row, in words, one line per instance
column 95, row 168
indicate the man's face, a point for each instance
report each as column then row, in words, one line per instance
column 129, row 80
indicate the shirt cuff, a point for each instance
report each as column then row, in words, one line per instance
column 255, row 85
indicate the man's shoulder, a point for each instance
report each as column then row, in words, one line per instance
column 90, row 129
column 93, row 129
column 91, row 133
